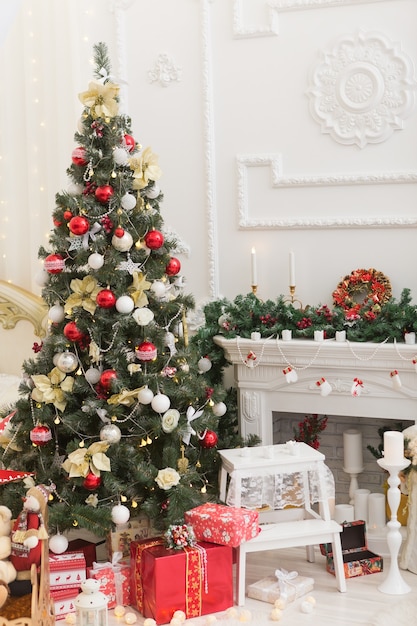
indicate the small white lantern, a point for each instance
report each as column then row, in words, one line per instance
column 91, row 605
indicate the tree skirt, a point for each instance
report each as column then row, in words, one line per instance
column 399, row 613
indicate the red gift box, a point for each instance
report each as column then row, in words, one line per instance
column 67, row 570
column 197, row 580
column 88, row 547
column 114, row 580
column 63, row 600
column 225, row 525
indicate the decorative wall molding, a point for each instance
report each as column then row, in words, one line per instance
column 362, row 89
column 164, row 72
column 279, row 181
column 300, row 5
column 240, row 31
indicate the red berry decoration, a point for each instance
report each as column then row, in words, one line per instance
column 154, row 239
column 146, row 351
column 40, row 435
column 130, row 142
column 106, row 299
column 91, row 481
column 107, row 378
column 173, row 267
column 119, row 232
column 72, row 332
column 79, row 225
column 78, row 156
column 209, row 440
column 54, row 263
column 67, row 215
column 104, row 193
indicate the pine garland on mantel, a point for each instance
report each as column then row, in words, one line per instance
column 247, row 314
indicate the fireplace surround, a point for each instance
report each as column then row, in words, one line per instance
column 385, row 375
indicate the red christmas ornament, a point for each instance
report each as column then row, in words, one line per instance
column 78, row 156
column 119, row 232
column 104, row 193
column 54, row 263
column 91, row 481
column 107, row 378
column 57, row 223
column 173, row 267
column 154, row 239
column 67, row 215
column 209, row 440
column 146, row 351
column 129, row 142
column 106, row 299
column 40, row 435
column 79, row 225
column 72, row 332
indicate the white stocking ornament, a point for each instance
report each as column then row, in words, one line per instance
column 291, row 375
column 356, row 389
column 325, row 387
column 396, row 381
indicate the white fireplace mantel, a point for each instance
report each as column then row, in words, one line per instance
column 263, row 388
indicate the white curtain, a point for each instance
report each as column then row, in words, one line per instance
column 44, row 45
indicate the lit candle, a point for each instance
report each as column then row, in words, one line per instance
column 292, row 269
column 253, row 267
column 352, row 448
column 393, row 447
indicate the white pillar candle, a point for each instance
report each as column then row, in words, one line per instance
column 253, row 268
column 410, row 338
column 376, row 511
column 319, row 335
column 255, row 336
column 353, row 454
column 292, row 269
column 343, row 513
column 286, row 335
column 393, row 447
column 360, row 503
column 340, row 335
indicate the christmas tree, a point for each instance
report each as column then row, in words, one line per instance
column 118, row 410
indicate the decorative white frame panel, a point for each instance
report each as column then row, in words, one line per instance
column 300, row 5
column 279, row 181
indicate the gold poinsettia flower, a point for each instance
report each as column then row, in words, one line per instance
column 101, row 99
column 85, row 293
column 126, row 397
column 145, row 168
column 51, row 389
column 85, row 460
column 137, row 289
column 94, row 352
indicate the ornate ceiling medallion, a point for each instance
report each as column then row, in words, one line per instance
column 362, row 89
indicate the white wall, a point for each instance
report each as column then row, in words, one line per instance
column 243, row 74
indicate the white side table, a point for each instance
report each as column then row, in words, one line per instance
column 314, row 528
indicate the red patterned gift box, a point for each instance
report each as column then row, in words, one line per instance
column 225, row 525
column 195, row 580
column 63, row 600
column 114, row 580
column 67, row 570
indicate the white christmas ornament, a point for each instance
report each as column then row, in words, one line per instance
column 67, row 362
column 58, row 544
column 291, row 375
column 130, row 618
column 325, row 387
column 95, row 261
column 41, row 278
column 143, row 316
column 122, row 244
column 92, row 375
column 120, row 156
column 125, row 304
column 158, row 289
column 356, row 388
column 153, row 192
column 120, row 514
column 56, row 357
column 128, row 202
column 219, row 409
column 145, row 395
column 160, row 403
column 110, row 433
column 74, row 189
column 395, row 379
column 204, row 365
column 56, row 313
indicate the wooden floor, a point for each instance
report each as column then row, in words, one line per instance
column 359, row 605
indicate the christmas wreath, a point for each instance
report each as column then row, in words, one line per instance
column 362, row 290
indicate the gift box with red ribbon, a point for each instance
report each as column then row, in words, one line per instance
column 67, row 570
column 196, row 580
column 222, row 524
column 114, row 580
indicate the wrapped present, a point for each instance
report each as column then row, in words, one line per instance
column 67, row 570
column 87, row 547
column 114, row 580
column 222, row 524
column 64, row 601
column 196, row 580
column 136, row 529
column 287, row 586
column 357, row 559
